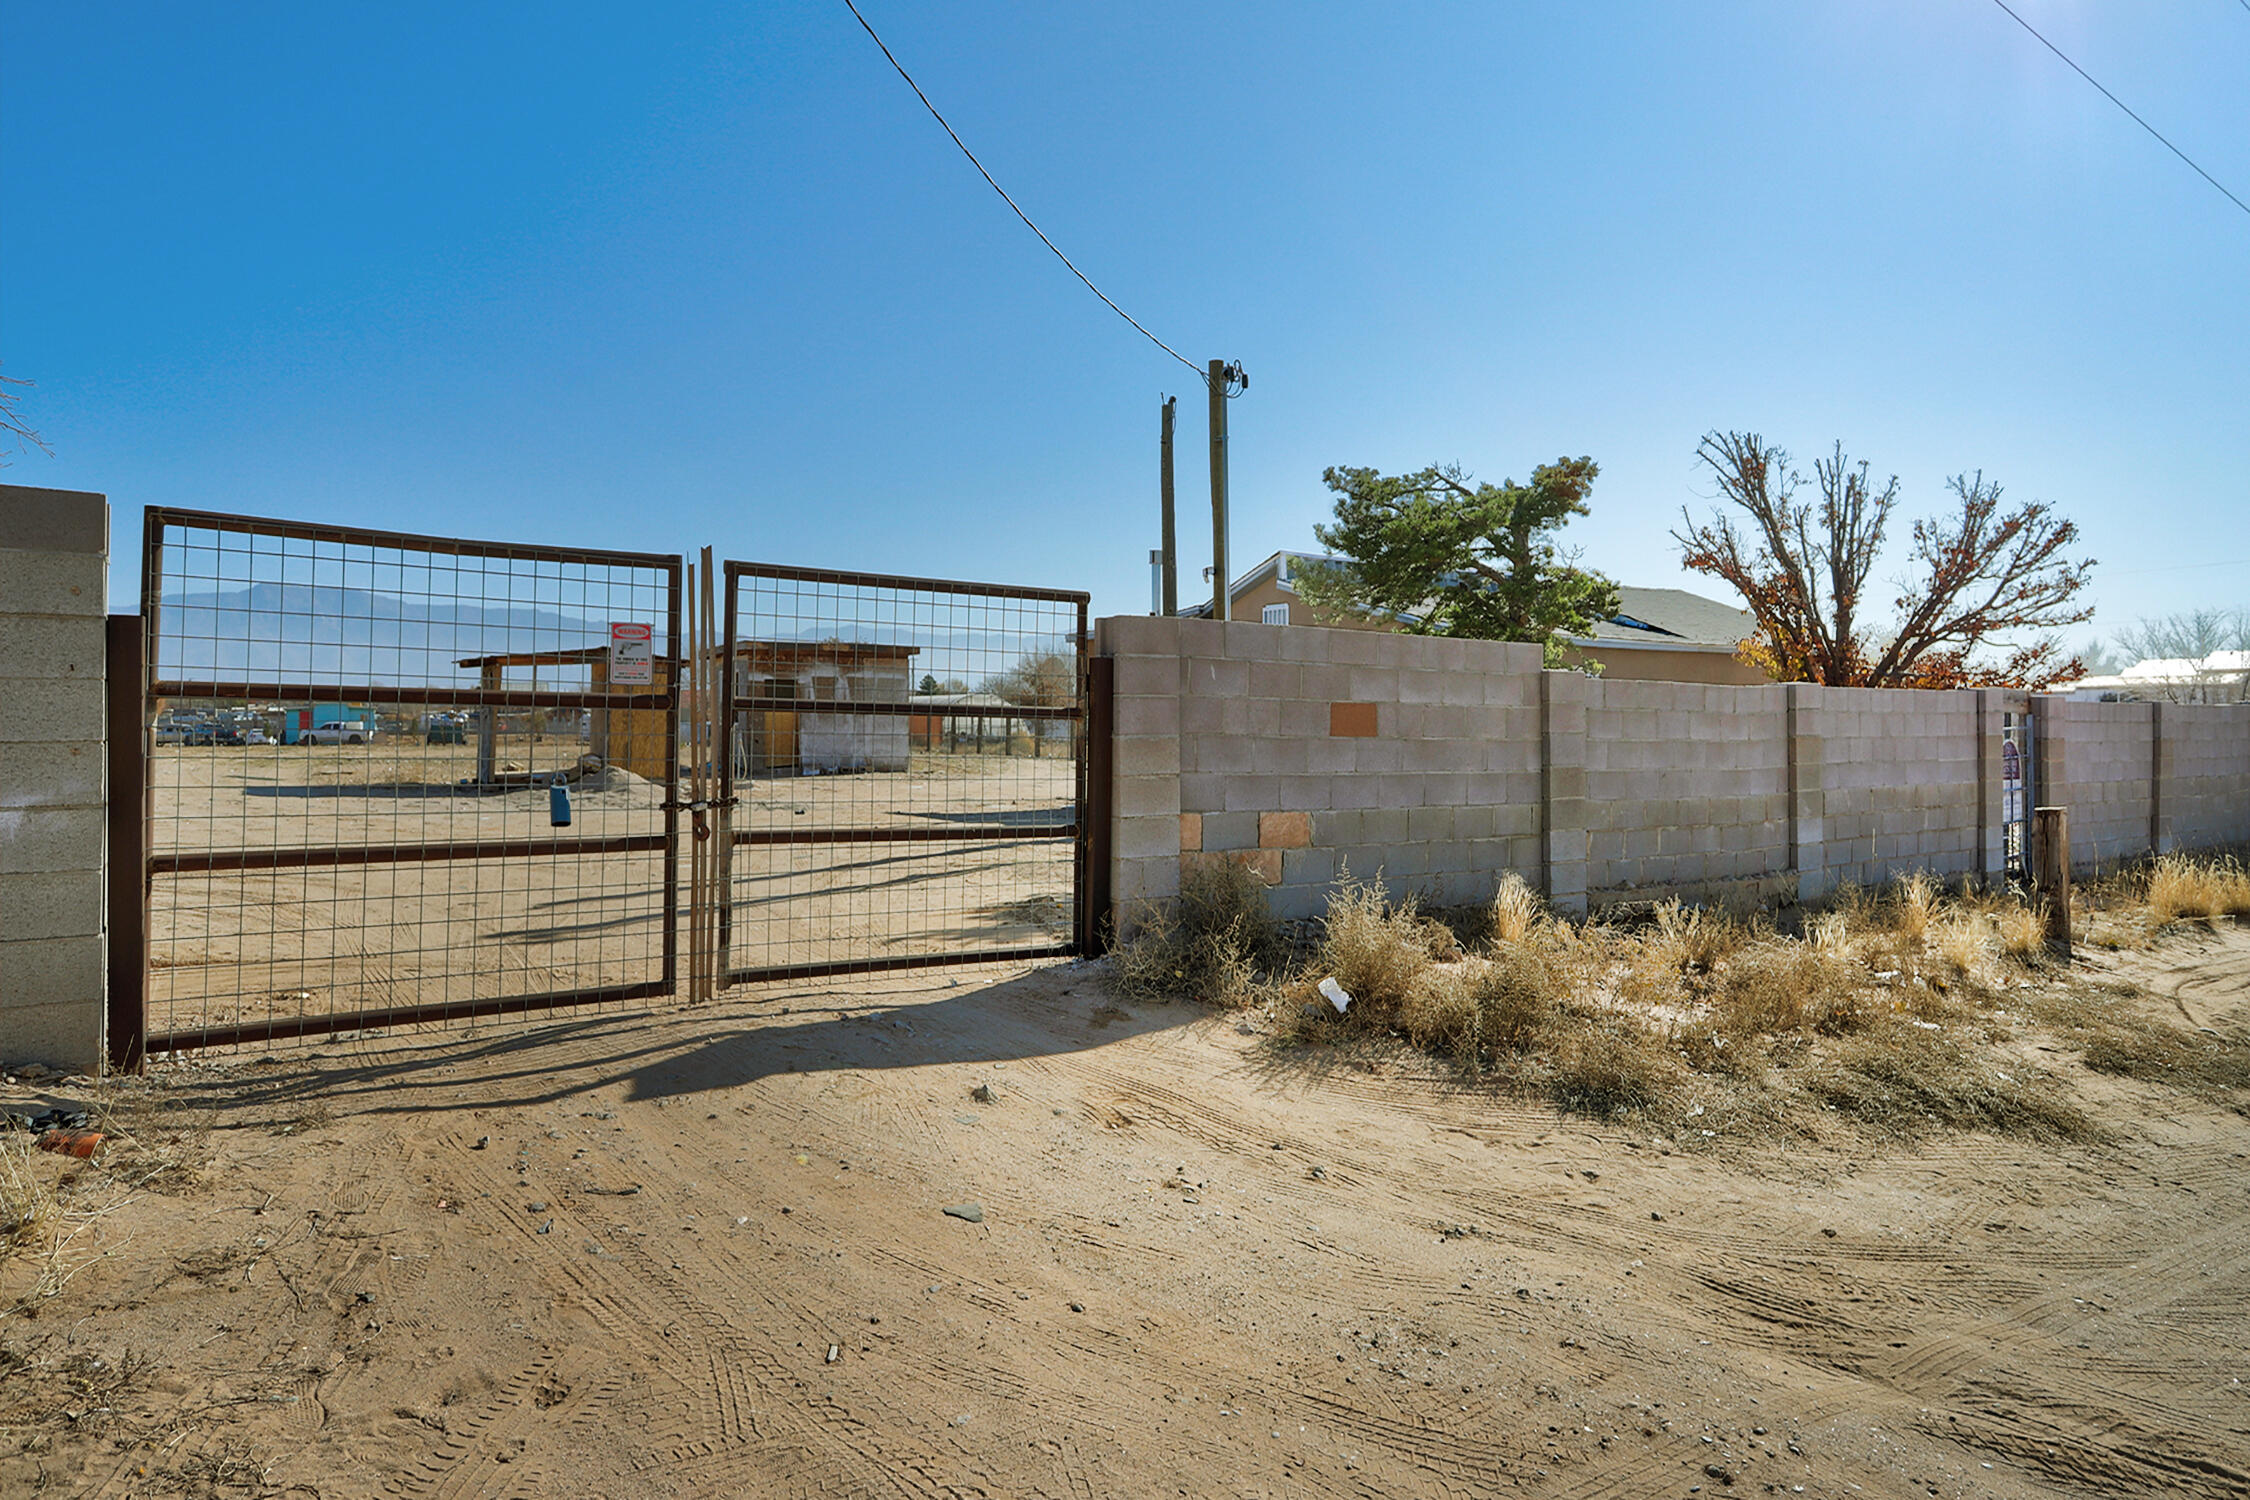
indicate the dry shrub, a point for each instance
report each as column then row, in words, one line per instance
column 28, row 1205
column 1517, row 912
column 1914, row 905
column 1693, row 938
column 1963, row 943
column 2181, row 888
column 2022, row 931
column 1830, row 934
column 1903, row 1080
column 1480, row 1007
column 1209, row 944
column 1777, row 987
column 1374, row 949
column 1227, row 898
column 1611, row 1067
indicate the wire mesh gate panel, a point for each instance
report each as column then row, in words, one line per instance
column 391, row 780
column 2017, row 792
column 906, row 762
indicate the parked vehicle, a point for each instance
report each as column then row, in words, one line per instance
column 343, row 732
column 170, row 734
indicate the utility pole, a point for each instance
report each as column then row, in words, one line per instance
column 1171, row 604
column 1216, row 380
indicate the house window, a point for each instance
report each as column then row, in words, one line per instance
column 1275, row 614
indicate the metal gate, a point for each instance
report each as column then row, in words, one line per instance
column 390, row 780
column 2017, row 791
column 905, row 761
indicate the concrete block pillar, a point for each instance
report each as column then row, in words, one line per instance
column 2050, row 750
column 54, row 592
column 2162, row 767
column 1808, row 791
column 1146, row 822
column 1992, row 830
column 1563, row 700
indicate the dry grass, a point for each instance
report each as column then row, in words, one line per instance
column 1902, row 1080
column 28, row 1205
column 1478, row 1008
column 1377, row 950
column 1209, row 945
column 1884, row 1012
column 2180, row 889
column 1518, row 915
column 1694, row 939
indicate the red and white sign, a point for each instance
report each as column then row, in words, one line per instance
column 632, row 654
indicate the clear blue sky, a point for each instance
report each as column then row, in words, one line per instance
column 671, row 275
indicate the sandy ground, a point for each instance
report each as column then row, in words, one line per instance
column 234, row 948
column 706, row 1254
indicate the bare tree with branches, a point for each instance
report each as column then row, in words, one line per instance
column 13, row 429
column 2193, row 635
column 1979, row 578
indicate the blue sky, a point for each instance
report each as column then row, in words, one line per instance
column 663, row 276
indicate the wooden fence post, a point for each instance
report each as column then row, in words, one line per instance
column 2051, row 871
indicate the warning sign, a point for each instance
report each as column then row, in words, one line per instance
column 632, row 656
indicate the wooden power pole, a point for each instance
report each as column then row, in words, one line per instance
column 1217, row 381
column 1171, row 564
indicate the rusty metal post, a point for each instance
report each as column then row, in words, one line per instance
column 127, row 1020
column 2050, row 846
column 1096, row 821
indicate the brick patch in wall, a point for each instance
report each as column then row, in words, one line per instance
column 1284, row 830
column 1191, row 831
column 1351, row 720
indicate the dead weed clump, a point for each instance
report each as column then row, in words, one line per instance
column 1609, row 1066
column 1481, row 1007
column 1518, row 915
column 1694, row 939
column 1211, row 944
column 1779, row 986
column 1377, row 950
column 1901, row 1080
column 2182, row 889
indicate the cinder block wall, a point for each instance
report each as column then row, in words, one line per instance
column 1302, row 751
column 1445, row 764
column 1899, row 782
column 2206, row 795
column 1686, row 785
column 2108, row 754
column 54, row 572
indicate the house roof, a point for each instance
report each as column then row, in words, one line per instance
column 1673, row 617
column 1647, row 617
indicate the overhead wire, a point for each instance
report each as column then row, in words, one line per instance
column 2121, row 104
column 1003, row 192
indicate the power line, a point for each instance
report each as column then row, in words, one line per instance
column 2112, row 98
column 1003, row 192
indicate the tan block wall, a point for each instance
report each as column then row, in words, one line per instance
column 54, row 590
column 2108, row 752
column 1899, row 782
column 2207, row 793
column 1686, row 785
column 1250, row 743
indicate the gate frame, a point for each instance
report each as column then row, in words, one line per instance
column 132, row 1047
column 1084, row 917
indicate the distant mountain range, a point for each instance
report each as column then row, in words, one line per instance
column 325, row 634
column 296, row 632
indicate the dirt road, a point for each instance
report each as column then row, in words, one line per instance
column 707, row 1254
